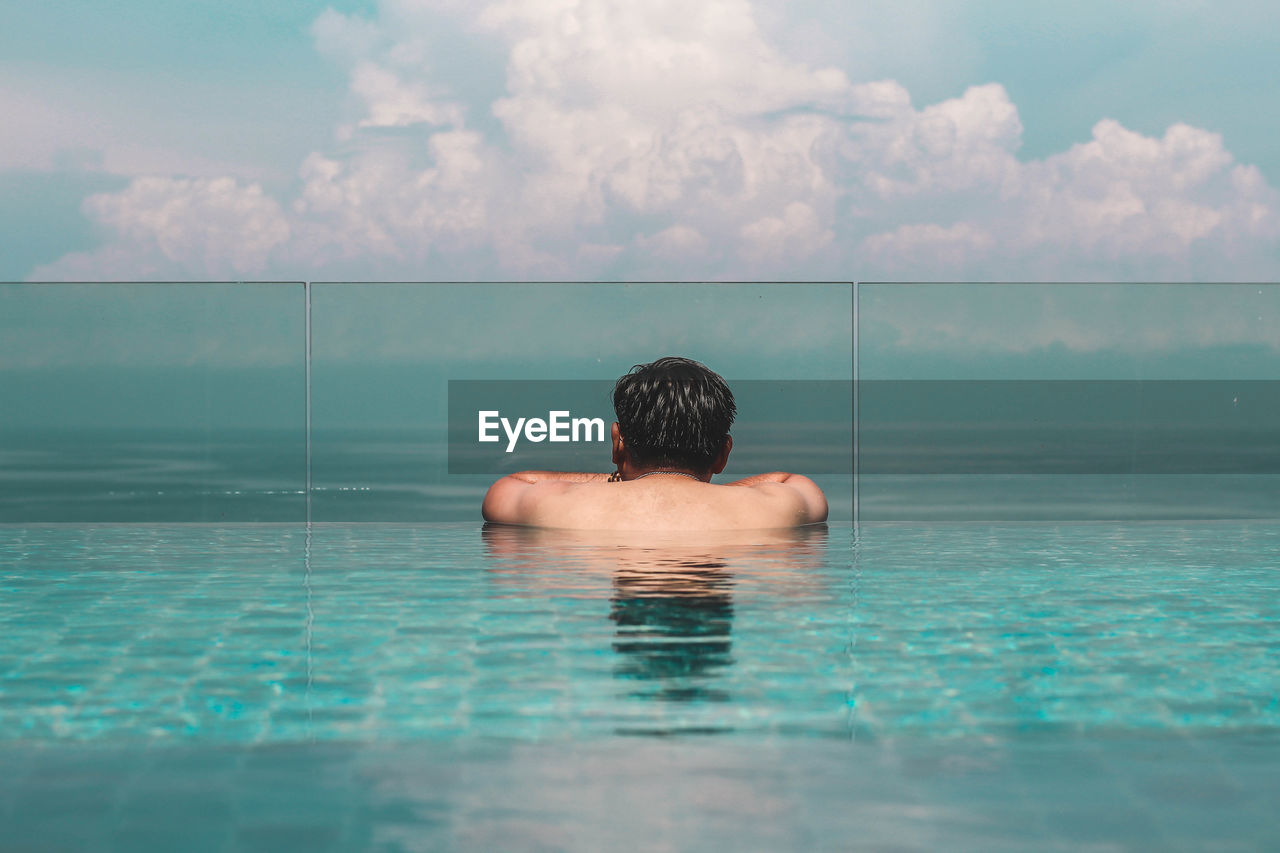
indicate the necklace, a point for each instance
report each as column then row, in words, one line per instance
column 680, row 473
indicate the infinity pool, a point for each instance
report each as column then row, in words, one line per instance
column 436, row 687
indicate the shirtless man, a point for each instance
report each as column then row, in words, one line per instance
column 671, row 436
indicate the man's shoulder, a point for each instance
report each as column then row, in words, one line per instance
column 516, row 499
column 801, row 498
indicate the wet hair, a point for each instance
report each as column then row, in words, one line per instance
column 674, row 412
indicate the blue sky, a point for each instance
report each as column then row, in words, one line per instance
column 599, row 139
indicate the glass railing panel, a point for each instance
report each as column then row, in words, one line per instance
column 1068, row 401
column 386, row 357
column 152, row 403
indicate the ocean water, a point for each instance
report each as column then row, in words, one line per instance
column 229, row 476
column 961, row 686
column 159, row 476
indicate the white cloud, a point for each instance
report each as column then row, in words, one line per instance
column 377, row 204
column 180, row 228
column 392, row 102
column 675, row 140
column 1175, row 207
column 678, row 241
column 796, row 234
column 953, row 246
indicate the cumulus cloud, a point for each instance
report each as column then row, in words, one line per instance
column 392, row 102
column 665, row 139
column 182, row 228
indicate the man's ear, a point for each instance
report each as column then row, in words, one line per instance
column 619, row 448
column 722, row 458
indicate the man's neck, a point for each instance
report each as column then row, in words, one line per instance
column 665, row 472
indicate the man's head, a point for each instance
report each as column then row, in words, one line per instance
column 674, row 413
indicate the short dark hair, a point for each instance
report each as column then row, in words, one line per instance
column 674, row 412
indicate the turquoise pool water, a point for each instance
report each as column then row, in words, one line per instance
column 435, row 687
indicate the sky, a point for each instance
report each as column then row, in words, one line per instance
column 612, row 140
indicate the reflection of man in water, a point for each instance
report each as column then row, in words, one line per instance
column 674, row 627
column 671, row 437
column 671, row 599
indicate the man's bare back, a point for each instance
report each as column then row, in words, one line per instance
column 671, row 438
column 654, row 501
